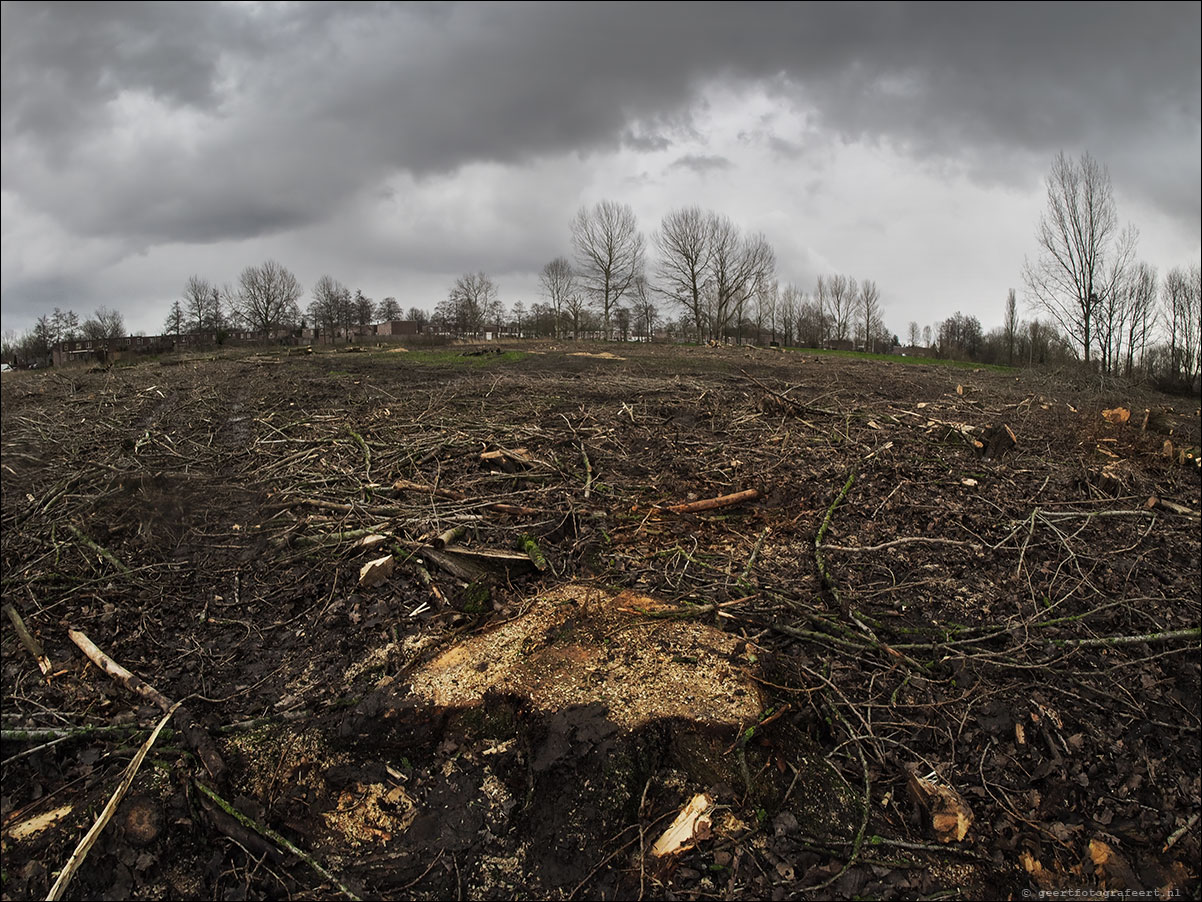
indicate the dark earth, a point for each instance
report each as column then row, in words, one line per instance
column 981, row 582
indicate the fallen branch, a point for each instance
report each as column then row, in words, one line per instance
column 99, row 549
column 1180, row 832
column 196, row 735
column 366, row 453
column 85, row 844
column 709, row 504
column 791, row 402
column 405, row 485
column 823, row 573
column 1169, row 636
column 271, row 835
column 902, row 541
column 588, row 472
column 27, row 639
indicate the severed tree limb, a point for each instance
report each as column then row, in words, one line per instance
column 588, row 471
column 99, row 549
column 273, row 836
column 1180, row 832
column 196, row 735
column 27, row 639
column 709, row 504
column 902, row 541
column 819, row 558
column 366, row 452
column 85, row 844
column 1103, row 641
column 405, row 485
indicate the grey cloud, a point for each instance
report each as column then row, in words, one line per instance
column 159, row 123
column 310, row 103
column 702, row 163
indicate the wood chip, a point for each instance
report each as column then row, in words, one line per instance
column 690, row 826
column 376, row 573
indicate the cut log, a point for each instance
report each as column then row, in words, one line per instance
column 509, row 460
column 945, row 809
column 479, row 564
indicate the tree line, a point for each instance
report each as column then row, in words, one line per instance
column 701, row 277
column 34, row 347
column 719, row 281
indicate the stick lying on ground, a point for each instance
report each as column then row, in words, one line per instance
column 196, row 735
column 709, row 504
column 405, row 485
column 27, row 639
column 85, row 844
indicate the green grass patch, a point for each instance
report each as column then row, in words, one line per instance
column 897, row 358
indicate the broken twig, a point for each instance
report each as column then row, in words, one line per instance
column 27, row 639
column 85, row 844
column 196, row 735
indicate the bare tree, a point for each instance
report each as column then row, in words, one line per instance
column 1082, row 256
column 912, row 334
column 65, row 325
column 199, row 300
column 519, row 317
column 329, row 296
column 869, row 302
column 960, row 337
column 738, row 266
column 575, row 309
column 609, row 254
column 104, row 324
column 791, row 299
column 558, row 281
column 364, row 310
column 838, row 296
column 1010, row 326
column 811, row 323
column 267, row 297
column 685, row 245
column 1141, row 293
column 471, row 302
column 1183, row 317
column 645, row 314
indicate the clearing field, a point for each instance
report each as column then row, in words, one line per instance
column 850, row 628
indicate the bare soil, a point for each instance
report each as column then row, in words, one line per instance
column 570, row 647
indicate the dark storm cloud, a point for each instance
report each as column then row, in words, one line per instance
column 303, row 105
column 185, row 122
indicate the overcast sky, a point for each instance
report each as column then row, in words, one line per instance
column 396, row 147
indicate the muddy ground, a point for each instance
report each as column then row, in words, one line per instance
column 939, row 639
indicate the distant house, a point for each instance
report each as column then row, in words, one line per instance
column 108, row 350
column 399, row 327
